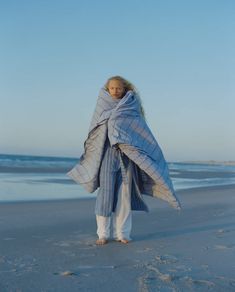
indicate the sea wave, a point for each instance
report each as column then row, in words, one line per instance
column 35, row 164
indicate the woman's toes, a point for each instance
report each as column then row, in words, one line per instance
column 124, row 240
column 101, row 241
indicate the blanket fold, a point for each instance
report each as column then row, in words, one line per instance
column 126, row 128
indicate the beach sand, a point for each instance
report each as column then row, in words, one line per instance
column 50, row 246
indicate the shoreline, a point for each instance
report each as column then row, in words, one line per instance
column 34, row 180
column 199, row 188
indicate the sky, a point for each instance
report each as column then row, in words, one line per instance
column 56, row 55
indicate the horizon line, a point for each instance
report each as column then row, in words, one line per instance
column 210, row 161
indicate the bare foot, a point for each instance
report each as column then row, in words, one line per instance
column 101, row 241
column 123, row 240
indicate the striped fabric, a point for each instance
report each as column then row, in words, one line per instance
column 111, row 178
column 122, row 122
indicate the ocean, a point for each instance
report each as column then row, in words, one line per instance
column 29, row 178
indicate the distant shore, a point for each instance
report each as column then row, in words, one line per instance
column 214, row 162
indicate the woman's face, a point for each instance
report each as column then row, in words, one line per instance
column 116, row 89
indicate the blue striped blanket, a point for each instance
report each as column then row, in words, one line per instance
column 122, row 121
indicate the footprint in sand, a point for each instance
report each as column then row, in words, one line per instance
column 9, row 238
column 66, row 273
column 182, row 268
column 162, row 276
column 166, row 259
column 81, row 269
column 226, row 281
column 224, row 247
column 198, row 282
column 153, row 278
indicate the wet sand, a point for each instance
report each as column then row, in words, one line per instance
column 50, row 246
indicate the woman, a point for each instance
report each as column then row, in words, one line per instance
column 123, row 159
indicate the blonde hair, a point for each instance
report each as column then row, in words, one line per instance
column 127, row 86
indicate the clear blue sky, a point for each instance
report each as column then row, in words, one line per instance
column 55, row 56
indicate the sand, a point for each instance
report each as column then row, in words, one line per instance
column 50, row 246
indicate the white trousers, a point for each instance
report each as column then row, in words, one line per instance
column 121, row 219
